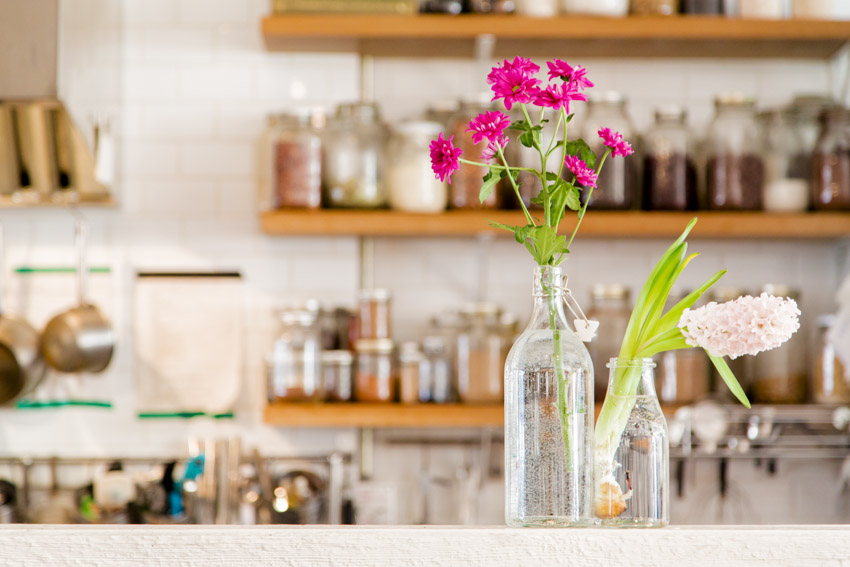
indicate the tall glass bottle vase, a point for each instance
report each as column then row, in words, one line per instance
column 548, row 417
column 633, row 471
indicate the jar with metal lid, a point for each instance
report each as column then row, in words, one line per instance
column 781, row 374
column 466, row 181
column 435, row 381
column 735, row 169
column 411, row 363
column 293, row 156
column 374, row 313
column 615, row 187
column 704, row 7
column 669, row 169
column 412, row 185
column 682, row 376
column 354, row 154
column 831, row 168
column 480, row 355
column 830, row 381
column 785, row 189
column 293, row 368
column 610, row 306
column 614, row 8
column 375, row 378
column 655, row 7
column 338, row 375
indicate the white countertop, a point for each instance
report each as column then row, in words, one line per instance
column 408, row 546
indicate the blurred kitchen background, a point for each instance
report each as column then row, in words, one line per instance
column 179, row 103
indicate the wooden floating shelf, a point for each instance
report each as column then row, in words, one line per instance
column 601, row 224
column 672, row 36
column 8, row 202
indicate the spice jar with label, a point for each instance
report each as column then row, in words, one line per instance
column 410, row 366
column 294, row 160
column 610, row 306
column 435, row 381
column 735, row 169
column 375, row 379
column 830, row 382
column 615, row 187
column 293, row 368
column 669, row 169
column 412, row 185
column 655, row 7
column 466, row 181
column 480, row 355
column 831, row 168
column 785, row 190
column 338, row 375
column 374, row 314
column 353, row 158
column 781, row 374
column 682, row 376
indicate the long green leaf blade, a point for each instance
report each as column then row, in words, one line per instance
column 729, row 377
column 672, row 317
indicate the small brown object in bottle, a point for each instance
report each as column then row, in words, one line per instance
column 374, row 314
column 735, row 182
column 375, row 381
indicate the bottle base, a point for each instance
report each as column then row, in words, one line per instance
column 550, row 522
column 633, row 523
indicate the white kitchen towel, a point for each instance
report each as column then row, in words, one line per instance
column 188, row 342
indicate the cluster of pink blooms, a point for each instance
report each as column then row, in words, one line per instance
column 747, row 325
column 515, row 82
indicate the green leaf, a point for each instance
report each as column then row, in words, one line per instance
column 521, row 234
column 504, row 226
column 558, row 201
column 663, row 346
column 574, row 199
column 547, row 243
column 675, row 313
column 490, row 181
column 729, row 377
column 520, row 125
column 570, row 118
column 581, row 149
column 552, row 176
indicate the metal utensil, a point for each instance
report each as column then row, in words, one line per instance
column 81, row 338
column 21, row 366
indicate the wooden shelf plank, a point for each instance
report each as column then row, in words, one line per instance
column 384, row 415
column 634, row 36
column 599, row 224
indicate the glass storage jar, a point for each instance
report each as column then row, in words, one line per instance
column 375, row 380
column 735, row 170
column 480, row 355
column 411, row 362
column 293, row 367
column 338, row 373
column 411, row 183
column 831, row 168
column 374, row 314
column 655, row 7
column 669, row 170
column 613, row 8
column 435, row 381
column 785, row 189
column 780, row 374
column 830, row 382
column 610, row 306
column 682, row 376
column 615, row 187
column 705, row 7
column 293, row 156
column 354, row 154
column 466, row 181
column 804, row 118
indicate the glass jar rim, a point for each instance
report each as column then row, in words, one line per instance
column 644, row 362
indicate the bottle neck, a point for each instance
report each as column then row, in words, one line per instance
column 631, row 377
column 548, row 293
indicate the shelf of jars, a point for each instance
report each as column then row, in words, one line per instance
column 613, row 224
column 638, row 36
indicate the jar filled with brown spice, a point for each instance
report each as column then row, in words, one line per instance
column 480, row 355
column 294, row 160
column 375, row 380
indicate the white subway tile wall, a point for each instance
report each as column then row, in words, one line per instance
column 187, row 85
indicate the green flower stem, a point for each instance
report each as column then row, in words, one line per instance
column 509, row 168
column 560, row 375
column 564, row 147
column 516, row 187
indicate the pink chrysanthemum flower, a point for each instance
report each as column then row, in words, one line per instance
column 747, row 325
column 444, row 157
column 584, row 175
column 490, row 125
column 514, row 81
column 559, row 96
column 492, row 149
column 566, row 72
column 614, row 140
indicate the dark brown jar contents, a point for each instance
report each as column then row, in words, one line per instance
column 615, row 187
column 735, row 182
column 831, row 184
column 298, row 174
column 670, row 183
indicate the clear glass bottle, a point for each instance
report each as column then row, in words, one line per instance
column 610, row 306
column 615, row 188
column 293, row 156
column 466, row 181
column 785, row 189
column 831, row 182
column 338, row 373
column 375, row 380
column 633, row 478
column 435, row 384
column 354, row 155
column 293, row 367
column 669, row 170
column 780, row 375
column 480, row 355
column 411, row 183
column 735, row 170
column 548, row 417
column 830, row 383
